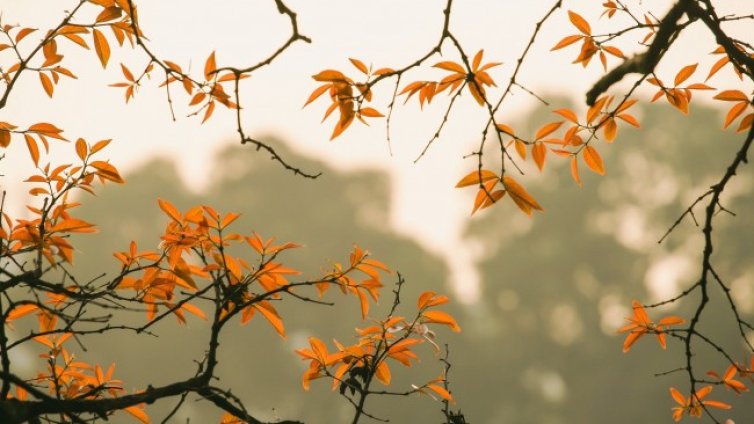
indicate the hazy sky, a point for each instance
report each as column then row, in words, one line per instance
column 387, row 33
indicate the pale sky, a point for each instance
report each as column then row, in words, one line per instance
column 391, row 33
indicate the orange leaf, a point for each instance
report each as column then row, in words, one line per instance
column 567, row 41
column 33, row 148
column 567, row 114
column 383, row 373
column 614, row 51
column 575, row 170
column 316, row 93
column 593, row 160
column 46, row 84
column 538, row 153
column 475, row 177
column 23, row 33
column 342, row 125
column 440, row 317
column 169, row 209
column 138, row 413
column 441, row 392
column 101, row 47
column 734, row 113
column 630, row 119
column 477, row 60
column 20, row 311
column 108, row 14
column 580, row 23
column 717, row 66
column 746, row 123
column 194, row 310
column 520, row 196
column 81, row 148
column 450, row 66
column 359, row 65
column 685, row 73
column 46, row 129
column 100, row 145
column 208, row 112
column 732, row 96
column 486, row 198
column 610, row 130
column 429, row 299
column 547, row 130
column 73, row 225
column 210, row 66
column 4, row 138
column 370, row 112
column 330, row 75
column 107, row 171
column 269, row 312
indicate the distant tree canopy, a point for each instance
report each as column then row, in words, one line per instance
column 208, row 266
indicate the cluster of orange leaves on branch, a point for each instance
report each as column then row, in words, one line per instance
column 352, row 367
column 640, row 324
column 579, row 138
column 65, row 377
column 341, row 91
column 193, row 258
column 118, row 17
column 475, row 79
column 47, row 233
